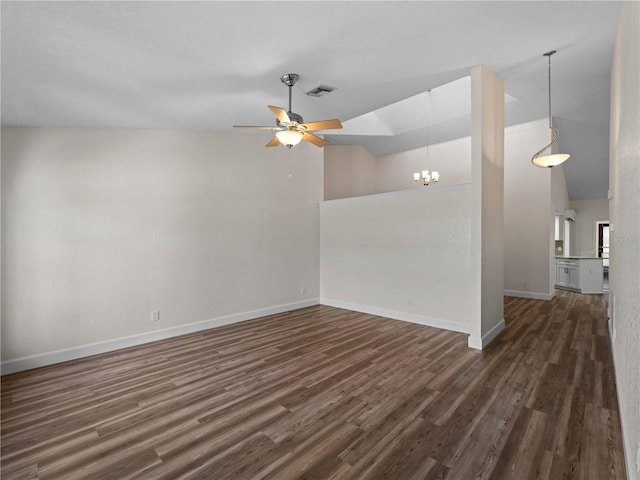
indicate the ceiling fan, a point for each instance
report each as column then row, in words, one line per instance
column 290, row 127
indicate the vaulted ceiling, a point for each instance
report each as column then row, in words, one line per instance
column 210, row 65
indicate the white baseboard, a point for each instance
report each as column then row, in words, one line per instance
column 480, row 343
column 50, row 358
column 533, row 295
column 398, row 315
column 627, row 444
column 629, row 451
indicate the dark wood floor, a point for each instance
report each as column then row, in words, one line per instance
column 325, row 393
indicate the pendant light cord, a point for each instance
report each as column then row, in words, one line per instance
column 550, row 160
column 549, row 55
column 555, row 132
column 428, row 119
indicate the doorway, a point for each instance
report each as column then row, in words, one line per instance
column 602, row 241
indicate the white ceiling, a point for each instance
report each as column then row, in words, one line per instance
column 210, row 65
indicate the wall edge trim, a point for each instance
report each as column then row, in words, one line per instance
column 626, row 446
column 413, row 191
column 532, row 295
column 398, row 315
column 82, row 351
column 480, row 343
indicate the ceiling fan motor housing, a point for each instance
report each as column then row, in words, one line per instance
column 294, row 117
column 289, row 79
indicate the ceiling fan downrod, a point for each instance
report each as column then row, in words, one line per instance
column 289, row 79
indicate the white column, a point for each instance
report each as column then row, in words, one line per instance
column 487, row 212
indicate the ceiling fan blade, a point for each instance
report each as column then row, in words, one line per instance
column 273, row 143
column 280, row 113
column 323, row 125
column 311, row 138
column 259, row 127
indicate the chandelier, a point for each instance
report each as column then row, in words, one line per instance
column 426, row 176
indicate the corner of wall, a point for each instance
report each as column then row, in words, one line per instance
column 625, row 227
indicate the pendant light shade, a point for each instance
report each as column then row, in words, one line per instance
column 550, row 159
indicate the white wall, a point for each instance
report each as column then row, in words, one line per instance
column 404, row 255
column 487, row 206
column 451, row 159
column 624, row 279
column 532, row 196
column 349, row 171
column 559, row 203
column 588, row 212
column 100, row 227
column 528, row 217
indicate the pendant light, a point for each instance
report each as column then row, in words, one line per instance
column 551, row 159
column 425, row 176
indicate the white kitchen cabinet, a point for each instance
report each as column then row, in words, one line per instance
column 591, row 275
column 579, row 274
column 568, row 273
column 574, row 276
column 562, row 275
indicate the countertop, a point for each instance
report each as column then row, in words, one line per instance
column 575, row 257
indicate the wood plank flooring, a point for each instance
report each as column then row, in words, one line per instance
column 325, row 393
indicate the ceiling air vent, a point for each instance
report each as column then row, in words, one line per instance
column 320, row 90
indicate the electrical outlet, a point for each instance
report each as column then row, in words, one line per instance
column 410, row 301
column 155, row 316
column 303, row 291
column 638, row 458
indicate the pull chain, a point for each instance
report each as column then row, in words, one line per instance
column 290, row 175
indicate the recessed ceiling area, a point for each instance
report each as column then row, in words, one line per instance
column 440, row 107
column 210, row 65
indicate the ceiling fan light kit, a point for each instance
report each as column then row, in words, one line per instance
column 551, row 159
column 289, row 138
column 290, row 127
